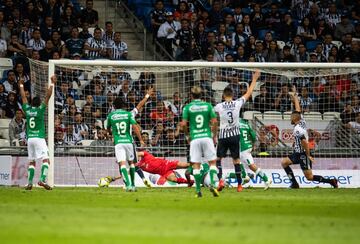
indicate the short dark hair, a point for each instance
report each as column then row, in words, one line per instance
column 228, row 92
column 36, row 101
column 119, row 103
column 196, row 92
column 296, row 112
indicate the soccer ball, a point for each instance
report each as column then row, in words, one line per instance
column 103, row 182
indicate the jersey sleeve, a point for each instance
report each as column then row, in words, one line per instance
column 217, row 108
column 300, row 132
column 212, row 112
column 134, row 112
column 185, row 114
column 132, row 119
column 25, row 107
column 240, row 102
column 43, row 107
column 108, row 125
column 252, row 134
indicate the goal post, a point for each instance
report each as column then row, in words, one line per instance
column 337, row 147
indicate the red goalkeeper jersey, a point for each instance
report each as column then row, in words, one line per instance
column 154, row 165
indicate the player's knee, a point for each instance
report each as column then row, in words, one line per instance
column 284, row 162
column 309, row 177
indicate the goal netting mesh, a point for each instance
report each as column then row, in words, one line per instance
column 85, row 91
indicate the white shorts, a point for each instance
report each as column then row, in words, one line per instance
column 124, row 152
column 37, row 149
column 246, row 157
column 202, row 148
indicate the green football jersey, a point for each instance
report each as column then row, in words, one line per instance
column 35, row 123
column 247, row 135
column 119, row 121
column 199, row 114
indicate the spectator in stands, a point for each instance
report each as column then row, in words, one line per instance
column 240, row 55
column 314, row 14
column 355, row 104
column 81, row 130
column 131, row 100
column 146, row 138
column 177, row 105
column 287, row 57
column 85, row 34
column 59, row 45
column 223, row 35
column 344, row 27
column 272, row 18
column 10, row 83
column 7, row 30
column 216, row 15
column 11, row 106
column 125, row 89
column 247, row 26
column 36, row 42
column 74, row 45
column 47, row 52
column 171, row 139
column 273, row 54
column 167, row 32
column 94, row 109
column 220, row 54
column 162, row 114
column 355, row 52
column 294, row 45
column 302, row 9
column 257, row 19
column 327, row 101
column 21, row 75
column 306, row 30
column 89, row 15
column 259, row 53
column 102, row 143
column 210, row 45
column 46, row 28
column 98, row 96
column 107, row 107
column 117, row 49
column 109, row 34
column 200, row 37
column 3, row 96
column 354, row 89
column 3, row 47
column 238, row 37
column 159, row 129
column 68, row 22
column 15, row 48
column 182, row 11
column 59, row 140
column 16, row 127
column 303, row 55
column 114, row 85
column 26, row 31
column 347, row 114
column 88, row 116
column 320, row 53
column 157, row 16
column 354, row 125
column 263, row 102
column 70, row 137
column 322, row 29
column 95, row 46
column 333, row 17
column 305, row 101
column 250, row 46
column 69, row 116
column 283, row 99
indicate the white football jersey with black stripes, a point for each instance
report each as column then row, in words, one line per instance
column 300, row 133
column 229, row 113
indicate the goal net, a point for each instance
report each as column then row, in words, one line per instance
column 82, row 152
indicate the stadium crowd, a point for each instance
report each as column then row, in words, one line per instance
column 253, row 31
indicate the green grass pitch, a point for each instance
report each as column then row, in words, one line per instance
column 173, row 215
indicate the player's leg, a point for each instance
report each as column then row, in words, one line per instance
column 285, row 163
column 209, row 151
column 188, row 173
column 32, row 163
column 182, row 165
column 234, row 146
column 248, row 158
column 306, row 167
column 42, row 152
column 138, row 170
column 120, row 155
column 130, row 158
column 195, row 159
column 220, row 153
column 170, row 176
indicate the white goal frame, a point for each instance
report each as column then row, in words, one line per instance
column 240, row 65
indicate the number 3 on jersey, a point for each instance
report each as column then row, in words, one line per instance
column 199, row 119
column 231, row 118
column 121, row 128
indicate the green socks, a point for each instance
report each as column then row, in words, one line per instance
column 31, row 173
column 44, row 171
column 213, row 172
column 124, row 173
column 262, row 175
column 197, row 176
column 132, row 175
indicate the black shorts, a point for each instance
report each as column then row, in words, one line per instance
column 231, row 143
column 302, row 159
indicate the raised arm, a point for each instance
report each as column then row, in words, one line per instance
column 50, row 89
column 251, row 88
column 22, row 92
column 137, row 131
column 295, row 99
column 143, row 101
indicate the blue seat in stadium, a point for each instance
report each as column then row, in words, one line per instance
column 246, row 10
column 261, row 34
column 311, row 45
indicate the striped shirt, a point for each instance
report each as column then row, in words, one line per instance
column 93, row 43
column 229, row 113
column 36, row 45
column 300, row 133
column 25, row 36
column 117, row 49
column 108, row 37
